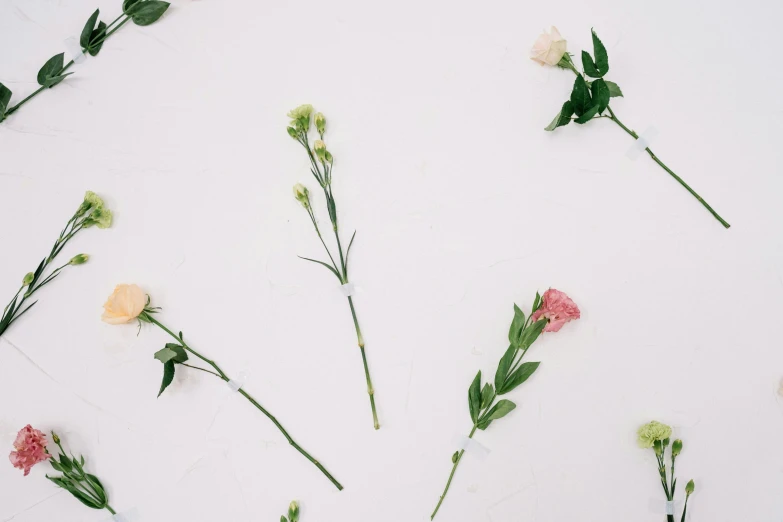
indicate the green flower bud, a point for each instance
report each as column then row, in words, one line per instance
column 28, row 279
column 455, row 457
column 293, row 511
column 55, row 438
column 320, row 123
column 320, row 149
column 658, row 447
column 690, row 487
column 302, row 195
column 676, row 447
column 651, row 432
column 328, row 157
column 79, row 259
column 292, row 132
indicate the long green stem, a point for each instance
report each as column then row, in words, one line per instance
column 451, row 476
column 223, row 376
column 370, row 389
column 109, row 508
column 657, row 160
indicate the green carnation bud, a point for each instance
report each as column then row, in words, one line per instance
column 658, row 447
column 455, row 457
column 79, row 259
column 320, row 149
column 302, row 195
column 690, row 487
column 320, row 123
column 292, row 132
column 328, row 157
column 676, row 447
column 28, row 279
column 293, row 511
column 55, row 438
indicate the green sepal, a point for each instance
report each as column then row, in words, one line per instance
column 588, row 115
column 84, row 39
column 487, row 395
column 563, row 117
column 5, row 99
column 51, row 69
column 517, row 324
column 601, row 94
column 503, row 366
column 498, row 411
column 614, row 89
column 474, row 398
column 148, row 12
column 580, row 96
column 519, row 376
column 96, row 35
column 601, row 56
column 168, row 376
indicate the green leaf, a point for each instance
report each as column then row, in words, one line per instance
column 165, row 355
column 601, row 94
column 56, row 465
column 51, row 82
column 536, row 303
column 331, row 269
column 516, row 326
column 65, row 462
column 5, row 99
column 601, row 56
column 503, row 366
column 580, row 96
column 614, row 89
column 148, row 12
column 589, row 66
column 84, row 39
column 128, row 4
column 182, row 355
column 519, row 376
column 84, row 499
column 97, row 486
column 487, row 395
column 283, row 519
column 499, row 410
column 474, row 398
column 96, row 35
column 531, row 333
column 168, row 375
column 588, row 115
column 51, row 69
column 563, row 117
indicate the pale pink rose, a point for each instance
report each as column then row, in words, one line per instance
column 124, row 305
column 557, row 308
column 549, row 48
column 30, row 446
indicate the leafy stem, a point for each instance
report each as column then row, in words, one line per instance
column 457, row 458
column 148, row 316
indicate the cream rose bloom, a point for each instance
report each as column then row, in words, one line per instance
column 549, row 48
column 124, row 305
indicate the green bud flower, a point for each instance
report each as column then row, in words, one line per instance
column 455, row 457
column 320, row 149
column 651, row 432
column 320, row 123
column 658, row 447
column 55, row 438
column 676, row 447
column 79, row 259
column 328, row 157
column 292, row 132
column 302, row 195
column 690, row 487
column 293, row 511
column 28, row 279
column 100, row 217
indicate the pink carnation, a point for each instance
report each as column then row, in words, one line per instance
column 557, row 308
column 30, row 446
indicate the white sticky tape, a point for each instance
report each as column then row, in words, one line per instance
column 235, row 384
column 74, row 48
column 473, row 447
column 348, row 289
column 645, row 140
column 129, row 515
column 669, row 507
column 665, row 507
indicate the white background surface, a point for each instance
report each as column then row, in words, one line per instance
column 463, row 205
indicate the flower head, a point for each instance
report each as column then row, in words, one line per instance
column 557, row 308
column 100, row 217
column 302, row 195
column 300, row 117
column 320, row 123
column 79, row 259
column 549, row 48
column 30, row 449
column 93, row 200
column 124, row 305
column 651, row 432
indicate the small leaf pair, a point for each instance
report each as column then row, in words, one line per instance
column 170, row 355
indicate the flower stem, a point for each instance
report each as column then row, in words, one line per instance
column 667, row 169
column 223, row 376
column 109, row 508
column 451, row 476
column 370, row 389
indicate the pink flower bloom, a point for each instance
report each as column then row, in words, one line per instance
column 557, row 308
column 30, row 446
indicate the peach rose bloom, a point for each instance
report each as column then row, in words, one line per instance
column 124, row 305
column 549, row 48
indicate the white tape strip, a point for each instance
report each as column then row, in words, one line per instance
column 348, row 289
column 669, row 507
column 129, row 515
column 235, row 385
column 645, row 140
column 665, row 507
column 473, row 447
column 74, row 48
